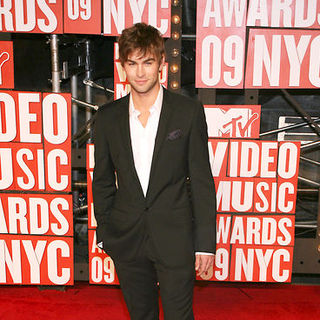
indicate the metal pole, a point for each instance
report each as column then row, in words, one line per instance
column 308, row 191
column 310, row 144
column 55, row 62
column 302, row 112
column 189, row 37
column 82, row 132
column 88, row 77
column 75, row 173
column 313, row 183
column 82, row 184
column 318, row 224
column 97, row 86
column 84, row 104
column 74, row 93
column 317, row 163
column 54, row 48
column 306, row 226
column 287, row 128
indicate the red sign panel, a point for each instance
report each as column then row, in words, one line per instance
column 28, row 167
column 90, row 157
column 259, row 179
column 255, row 176
column 35, row 141
column 265, row 195
column 92, row 223
column 220, row 43
column 284, row 14
column 36, row 214
column 253, row 248
column 234, row 121
column 101, row 266
column 6, row 65
column 33, row 16
column 36, row 260
column 56, row 113
column 262, row 230
column 21, row 119
column 121, row 14
column 35, row 155
column 82, row 16
column 261, row 264
column 218, row 156
column 283, row 59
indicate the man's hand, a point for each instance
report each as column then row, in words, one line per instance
column 203, row 263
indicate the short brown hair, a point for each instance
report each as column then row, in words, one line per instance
column 143, row 37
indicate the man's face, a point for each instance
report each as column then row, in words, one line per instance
column 143, row 72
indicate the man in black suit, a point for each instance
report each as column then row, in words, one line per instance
column 153, row 191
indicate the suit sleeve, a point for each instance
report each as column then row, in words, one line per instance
column 103, row 185
column 202, row 188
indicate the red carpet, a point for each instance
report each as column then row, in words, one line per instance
column 212, row 301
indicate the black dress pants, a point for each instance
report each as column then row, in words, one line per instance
column 139, row 283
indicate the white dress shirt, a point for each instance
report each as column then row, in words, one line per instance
column 143, row 139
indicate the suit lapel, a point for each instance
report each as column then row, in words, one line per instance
column 165, row 117
column 126, row 138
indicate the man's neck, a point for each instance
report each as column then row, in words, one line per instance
column 144, row 101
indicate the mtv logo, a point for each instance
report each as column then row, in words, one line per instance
column 238, row 121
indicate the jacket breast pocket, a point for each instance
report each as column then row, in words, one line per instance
column 177, row 145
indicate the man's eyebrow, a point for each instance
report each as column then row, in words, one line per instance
column 149, row 59
column 141, row 59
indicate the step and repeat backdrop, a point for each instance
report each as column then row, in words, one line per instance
column 239, row 44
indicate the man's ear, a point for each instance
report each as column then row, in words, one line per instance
column 162, row 62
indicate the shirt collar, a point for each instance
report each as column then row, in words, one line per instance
column 156, row 107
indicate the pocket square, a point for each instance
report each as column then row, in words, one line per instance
column 174, row 134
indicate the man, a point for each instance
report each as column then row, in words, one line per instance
column 153, row 191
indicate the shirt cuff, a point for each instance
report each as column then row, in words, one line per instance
column 206, row 253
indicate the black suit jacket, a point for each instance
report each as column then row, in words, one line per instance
column 178, row 212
